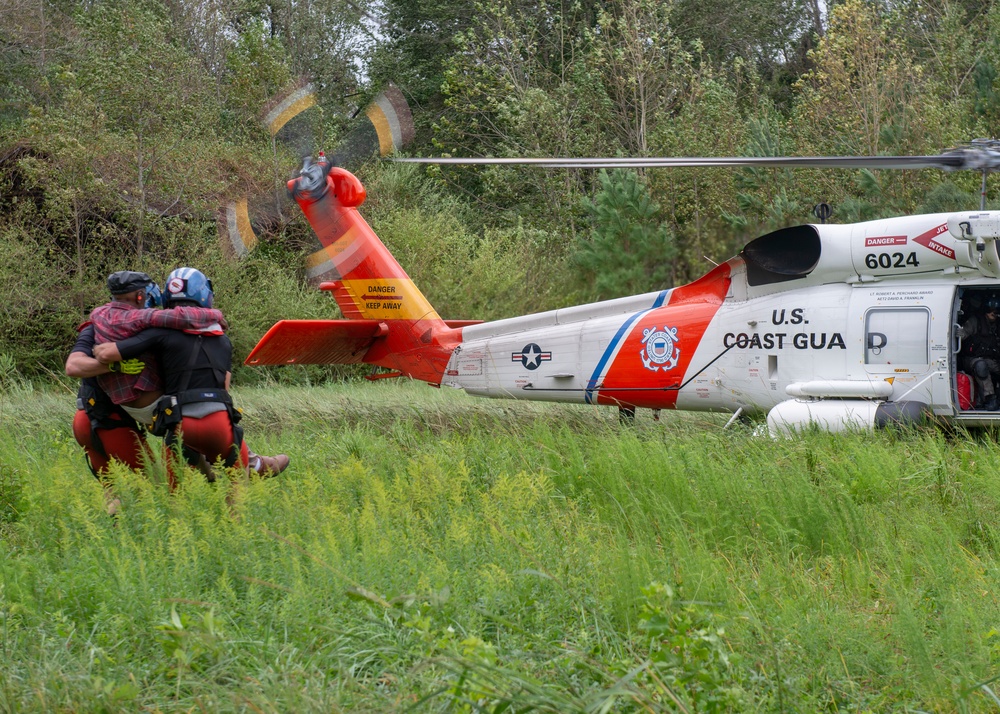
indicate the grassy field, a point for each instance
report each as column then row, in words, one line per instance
column 429, row 551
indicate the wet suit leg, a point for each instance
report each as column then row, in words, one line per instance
column 213, row 436
column 102, row 444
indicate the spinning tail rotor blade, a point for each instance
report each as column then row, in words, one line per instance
column 385, row 126
column 288, row 104
column 243, row 217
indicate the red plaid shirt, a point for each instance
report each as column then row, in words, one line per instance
column 118, row 321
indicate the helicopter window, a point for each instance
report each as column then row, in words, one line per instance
column 786, row 254
column 897, row 337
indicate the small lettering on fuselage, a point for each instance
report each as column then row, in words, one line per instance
column 781, row 340
column 885, row 240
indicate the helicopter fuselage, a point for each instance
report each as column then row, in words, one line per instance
column 843, row 326
column 855, row 316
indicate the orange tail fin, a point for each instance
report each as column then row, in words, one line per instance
column 366, row 280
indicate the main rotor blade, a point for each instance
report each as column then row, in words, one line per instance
column 978, row 159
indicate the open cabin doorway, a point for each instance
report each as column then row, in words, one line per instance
column 971, row 384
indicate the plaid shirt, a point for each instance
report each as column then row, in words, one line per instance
column 118, row 321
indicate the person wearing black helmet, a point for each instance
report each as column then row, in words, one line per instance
column 197, row 368
column 981, row 352
column 105, row 429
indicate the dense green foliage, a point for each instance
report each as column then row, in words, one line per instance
column 428, row 550
column 126, row 126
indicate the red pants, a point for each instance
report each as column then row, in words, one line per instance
column 212, row 436
column 122, row 443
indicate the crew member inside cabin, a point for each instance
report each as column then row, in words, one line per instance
column 981, row 352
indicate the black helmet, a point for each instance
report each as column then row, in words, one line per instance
column 127, row 281
column 992, row 304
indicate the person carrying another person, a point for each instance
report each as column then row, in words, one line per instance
column 197, row 367
column 981, row 352
column 127, row 314
column 104, row 430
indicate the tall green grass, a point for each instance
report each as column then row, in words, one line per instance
column 430, row 551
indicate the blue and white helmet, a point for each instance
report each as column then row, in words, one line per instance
column 154, row 298
column 188, row 284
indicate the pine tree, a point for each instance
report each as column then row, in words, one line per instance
column 628, row 250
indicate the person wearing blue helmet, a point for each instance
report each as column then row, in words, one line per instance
column 197, row 366
column 128, row 313
column 108, row 430
column 104, row 426
column 981, row 352
column 154, row 298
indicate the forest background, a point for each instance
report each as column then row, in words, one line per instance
column 126, row 126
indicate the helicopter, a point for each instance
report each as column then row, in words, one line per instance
column 849, row 326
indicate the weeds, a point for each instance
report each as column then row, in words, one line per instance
column 459, row 557
column 11, row 380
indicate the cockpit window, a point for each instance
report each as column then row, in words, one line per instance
column 786, row 254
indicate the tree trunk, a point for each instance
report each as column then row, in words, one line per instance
column 817, row 17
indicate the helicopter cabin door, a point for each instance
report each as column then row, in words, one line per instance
column 970, row 406
column 906, row 341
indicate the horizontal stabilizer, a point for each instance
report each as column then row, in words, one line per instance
column 316, row 342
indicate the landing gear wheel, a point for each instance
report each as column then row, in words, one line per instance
column 626, row 416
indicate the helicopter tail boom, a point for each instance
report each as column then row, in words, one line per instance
column 388, row 321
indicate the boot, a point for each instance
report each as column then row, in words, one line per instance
column 268, row 465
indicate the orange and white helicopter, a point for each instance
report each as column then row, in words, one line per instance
column 843, row 326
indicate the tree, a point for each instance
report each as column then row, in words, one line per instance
column 203, row 29
column 256, row 69
column 419, row 37
column 859, row 96
column 324, row 39
column 34, row 39
column 709, row 122
column 644, row 66
column 766, row 33
column 520, row 85
column 157, row 103
column 629, row 249
column 865, row 96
